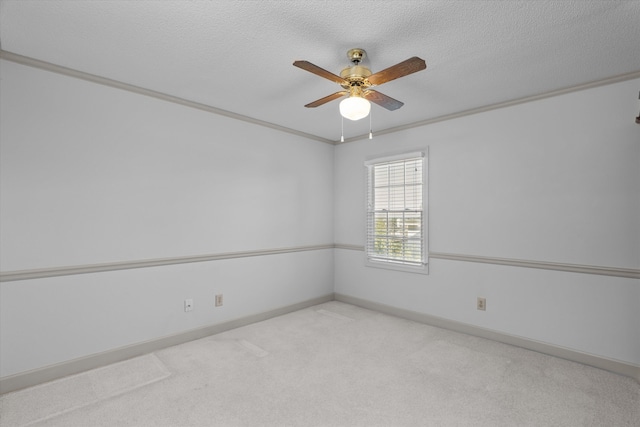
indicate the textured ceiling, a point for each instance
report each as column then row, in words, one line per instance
column 237, row 55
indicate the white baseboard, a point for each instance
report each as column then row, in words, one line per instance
column 610, row 365
column 76, row 366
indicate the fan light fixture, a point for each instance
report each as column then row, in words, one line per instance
column 355, row 108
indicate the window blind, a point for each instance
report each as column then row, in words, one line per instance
column 395, row 220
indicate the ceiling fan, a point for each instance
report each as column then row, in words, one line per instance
column 357, row 82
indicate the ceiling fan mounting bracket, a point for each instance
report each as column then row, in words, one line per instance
column 356, row 55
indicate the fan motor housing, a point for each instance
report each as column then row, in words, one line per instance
column 356, row 75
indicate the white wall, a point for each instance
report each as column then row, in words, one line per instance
column 92, row 174
column 556, row 180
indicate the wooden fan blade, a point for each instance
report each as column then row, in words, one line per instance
column 383, row 100
column 327, row 99
column 402, row 69
column 308, row 66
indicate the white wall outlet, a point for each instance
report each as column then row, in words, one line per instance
column 218, row 300
column 482, row 304
column 188, row 305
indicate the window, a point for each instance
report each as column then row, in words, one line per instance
column 396, row 214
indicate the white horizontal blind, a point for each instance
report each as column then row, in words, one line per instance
column 395, row 220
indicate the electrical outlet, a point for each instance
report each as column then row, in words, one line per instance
column 218, row 300
column 482, row 304
column 188, row 305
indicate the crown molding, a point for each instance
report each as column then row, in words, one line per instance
column 43, row 65
column 505, row 104
column 69, row 72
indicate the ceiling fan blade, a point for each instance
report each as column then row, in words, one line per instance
column 326, row 99
column 383, row 100
column 308, row 66
column 402, row 69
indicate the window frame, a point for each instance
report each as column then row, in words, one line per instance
column 369, row 164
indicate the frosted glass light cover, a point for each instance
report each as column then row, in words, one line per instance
column 355, row 108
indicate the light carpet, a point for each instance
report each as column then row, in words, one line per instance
column 333, row 365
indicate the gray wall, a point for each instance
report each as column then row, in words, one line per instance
column 92, row 174
column 555, row 181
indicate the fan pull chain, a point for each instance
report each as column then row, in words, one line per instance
column 342, row 134
column 370, row 127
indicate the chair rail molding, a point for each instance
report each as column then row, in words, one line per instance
column 632, row 273
column 10, row 276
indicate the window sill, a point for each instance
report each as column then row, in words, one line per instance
column 423, row 269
